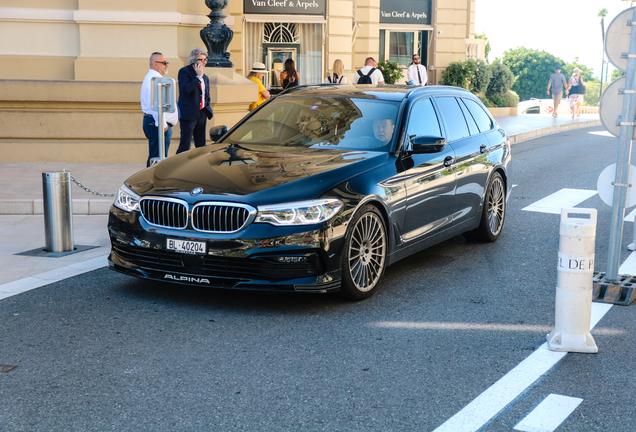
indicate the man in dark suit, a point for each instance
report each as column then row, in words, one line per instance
column 194, row 100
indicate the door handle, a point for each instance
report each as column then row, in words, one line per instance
column 448, row 161
column 482, row 148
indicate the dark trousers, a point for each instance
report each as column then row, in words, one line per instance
column 152, row 133
column 191, row 129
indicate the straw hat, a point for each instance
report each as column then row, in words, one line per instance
column 577, row 70
column 259, row 67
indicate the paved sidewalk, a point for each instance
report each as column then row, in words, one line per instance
column 22, row 223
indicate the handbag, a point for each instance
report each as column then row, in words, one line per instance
column 581, row 87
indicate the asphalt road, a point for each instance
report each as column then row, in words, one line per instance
column 103, row 351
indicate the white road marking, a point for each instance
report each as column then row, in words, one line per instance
column 494, row 399
column 565, row 198
column 549, row 414
column 602, row 133
column 629, row 265
column 29, row 283
column 423, row 325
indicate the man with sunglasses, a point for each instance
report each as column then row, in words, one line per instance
column 158, row 68
column 194, row 100
column 417, row 72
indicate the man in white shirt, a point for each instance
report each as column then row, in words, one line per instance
column 417, row 72
column 376, row 76
column 158, row 68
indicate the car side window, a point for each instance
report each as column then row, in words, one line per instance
column 481, row 117
column 472, row 126
column 423, row 121
column 453, row 117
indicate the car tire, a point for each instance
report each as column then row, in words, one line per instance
column 493, row 213
column 364, row 255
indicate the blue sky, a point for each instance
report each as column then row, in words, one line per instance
column 563, row 28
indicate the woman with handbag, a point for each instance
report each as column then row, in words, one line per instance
column 576, row 92
column 290, row 76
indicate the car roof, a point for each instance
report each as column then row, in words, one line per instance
column 392, row 92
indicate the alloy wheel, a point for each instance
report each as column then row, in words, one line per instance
column 496, row 206
column 367, row 252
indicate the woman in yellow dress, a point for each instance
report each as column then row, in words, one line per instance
column 256, row 74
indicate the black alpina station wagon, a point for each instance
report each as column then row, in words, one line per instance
column 317, row 190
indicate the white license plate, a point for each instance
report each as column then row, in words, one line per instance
column 186, row 246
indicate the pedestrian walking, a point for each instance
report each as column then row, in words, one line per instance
column 555, row 87
column 416, row 73
column 369, row 74
column 158, row 68
column 256, row 74
column 338, row 74
column 290, row 76
column 577, row 86
column 194, row 100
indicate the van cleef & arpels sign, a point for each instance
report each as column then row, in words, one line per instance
column 405, row 11
column 285, row 7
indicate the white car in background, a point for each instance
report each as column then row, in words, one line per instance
column 543, row 106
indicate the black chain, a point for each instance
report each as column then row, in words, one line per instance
column 89, row 189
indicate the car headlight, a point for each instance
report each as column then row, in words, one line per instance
column 299, row 213
column 126, row 199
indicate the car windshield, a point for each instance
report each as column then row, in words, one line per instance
column 321, row 122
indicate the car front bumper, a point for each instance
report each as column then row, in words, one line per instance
column 260, row 257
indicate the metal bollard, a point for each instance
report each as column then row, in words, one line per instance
column 573, row 306
column 58, row 211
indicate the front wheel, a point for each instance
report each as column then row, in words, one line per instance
column 364, row 257
column 493, row 214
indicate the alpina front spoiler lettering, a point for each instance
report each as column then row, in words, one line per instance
column 187, row 279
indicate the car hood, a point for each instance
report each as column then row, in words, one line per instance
column 264, row 173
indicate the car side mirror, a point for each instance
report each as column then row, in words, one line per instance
column 428, row 144
column 217, row 132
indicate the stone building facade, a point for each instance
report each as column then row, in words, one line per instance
column 71, row 70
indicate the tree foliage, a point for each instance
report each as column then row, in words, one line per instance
column 616, row 73
column 473, row 75
column 532, row 70
column 502, row 79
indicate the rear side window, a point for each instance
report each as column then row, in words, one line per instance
column 472, row 126
column 453, row 117
column 423, row 121
column 481, row 117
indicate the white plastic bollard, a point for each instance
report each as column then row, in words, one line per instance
column 575, row 267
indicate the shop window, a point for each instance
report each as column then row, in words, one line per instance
column 399, row 46
column 273, row 43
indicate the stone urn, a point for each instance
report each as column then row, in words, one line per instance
column 217, row 36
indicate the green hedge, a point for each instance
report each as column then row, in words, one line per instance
column 491, row 83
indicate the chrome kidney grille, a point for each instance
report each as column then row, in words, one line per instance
column 215, row 217
column 164, row 212
column 220, row 217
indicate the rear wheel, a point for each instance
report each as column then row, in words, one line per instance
column 364, row 257
column 493, row 214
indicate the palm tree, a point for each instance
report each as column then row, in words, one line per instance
column 602, row 14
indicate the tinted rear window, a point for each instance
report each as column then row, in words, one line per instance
column 453, row 117
column 483, row 120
